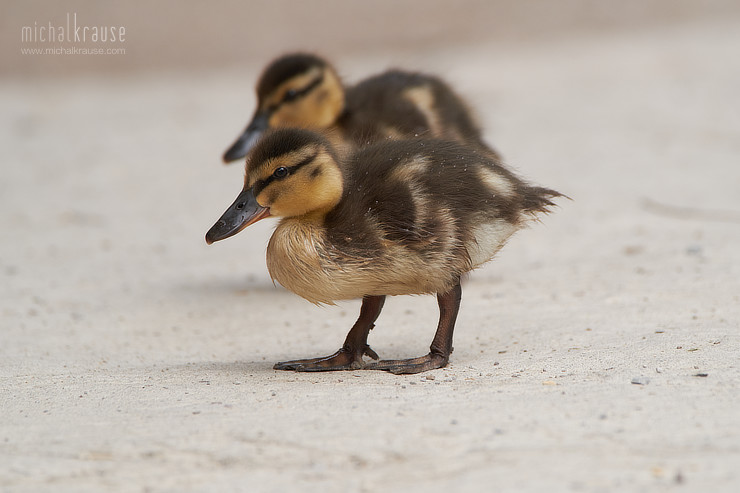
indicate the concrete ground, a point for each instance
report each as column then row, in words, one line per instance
column 598, row 352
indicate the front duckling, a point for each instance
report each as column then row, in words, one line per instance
column 304, row 91
column 433, row 211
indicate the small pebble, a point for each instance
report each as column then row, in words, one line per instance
column 641, row 380
column 694, row 250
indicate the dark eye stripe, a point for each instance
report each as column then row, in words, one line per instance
column 262, row 184
column 293, row 94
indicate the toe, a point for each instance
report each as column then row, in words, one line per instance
column 410, row 366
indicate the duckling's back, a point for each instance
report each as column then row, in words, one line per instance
column 405, row 173
column 429, row 210
column 403, row 105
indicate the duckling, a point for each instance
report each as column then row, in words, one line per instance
column 434, row 211
column 304, row 91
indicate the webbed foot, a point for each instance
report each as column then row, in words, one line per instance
column 414, row 365
column 344, row 359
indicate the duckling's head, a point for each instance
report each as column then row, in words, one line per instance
column 296, row 90
column 290, row 173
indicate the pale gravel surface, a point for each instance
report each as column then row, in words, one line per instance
column 136, row 358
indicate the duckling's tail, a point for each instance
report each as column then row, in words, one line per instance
column 538, row 200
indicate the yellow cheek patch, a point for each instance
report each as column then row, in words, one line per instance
column 263, row 171
column 318, row 107
column 296, row 83
column 267, row 198
column 314, row 187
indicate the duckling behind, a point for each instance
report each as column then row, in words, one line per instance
column 397, row 217
column 304, row 91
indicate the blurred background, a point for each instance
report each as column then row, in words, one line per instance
column 193, row 35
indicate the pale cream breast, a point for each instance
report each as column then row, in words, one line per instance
column 301, row 259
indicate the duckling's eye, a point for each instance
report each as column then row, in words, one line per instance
column 290, row 95
column 281, row 172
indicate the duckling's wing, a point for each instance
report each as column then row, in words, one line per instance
column 404, row 104
column 376, row 108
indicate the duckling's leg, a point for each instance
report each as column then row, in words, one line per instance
column 439, row 351
column 349, row 357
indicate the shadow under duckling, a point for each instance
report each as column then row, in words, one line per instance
column 304, row 91
column 433, row 211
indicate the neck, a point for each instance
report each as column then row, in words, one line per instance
column 313, row 218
